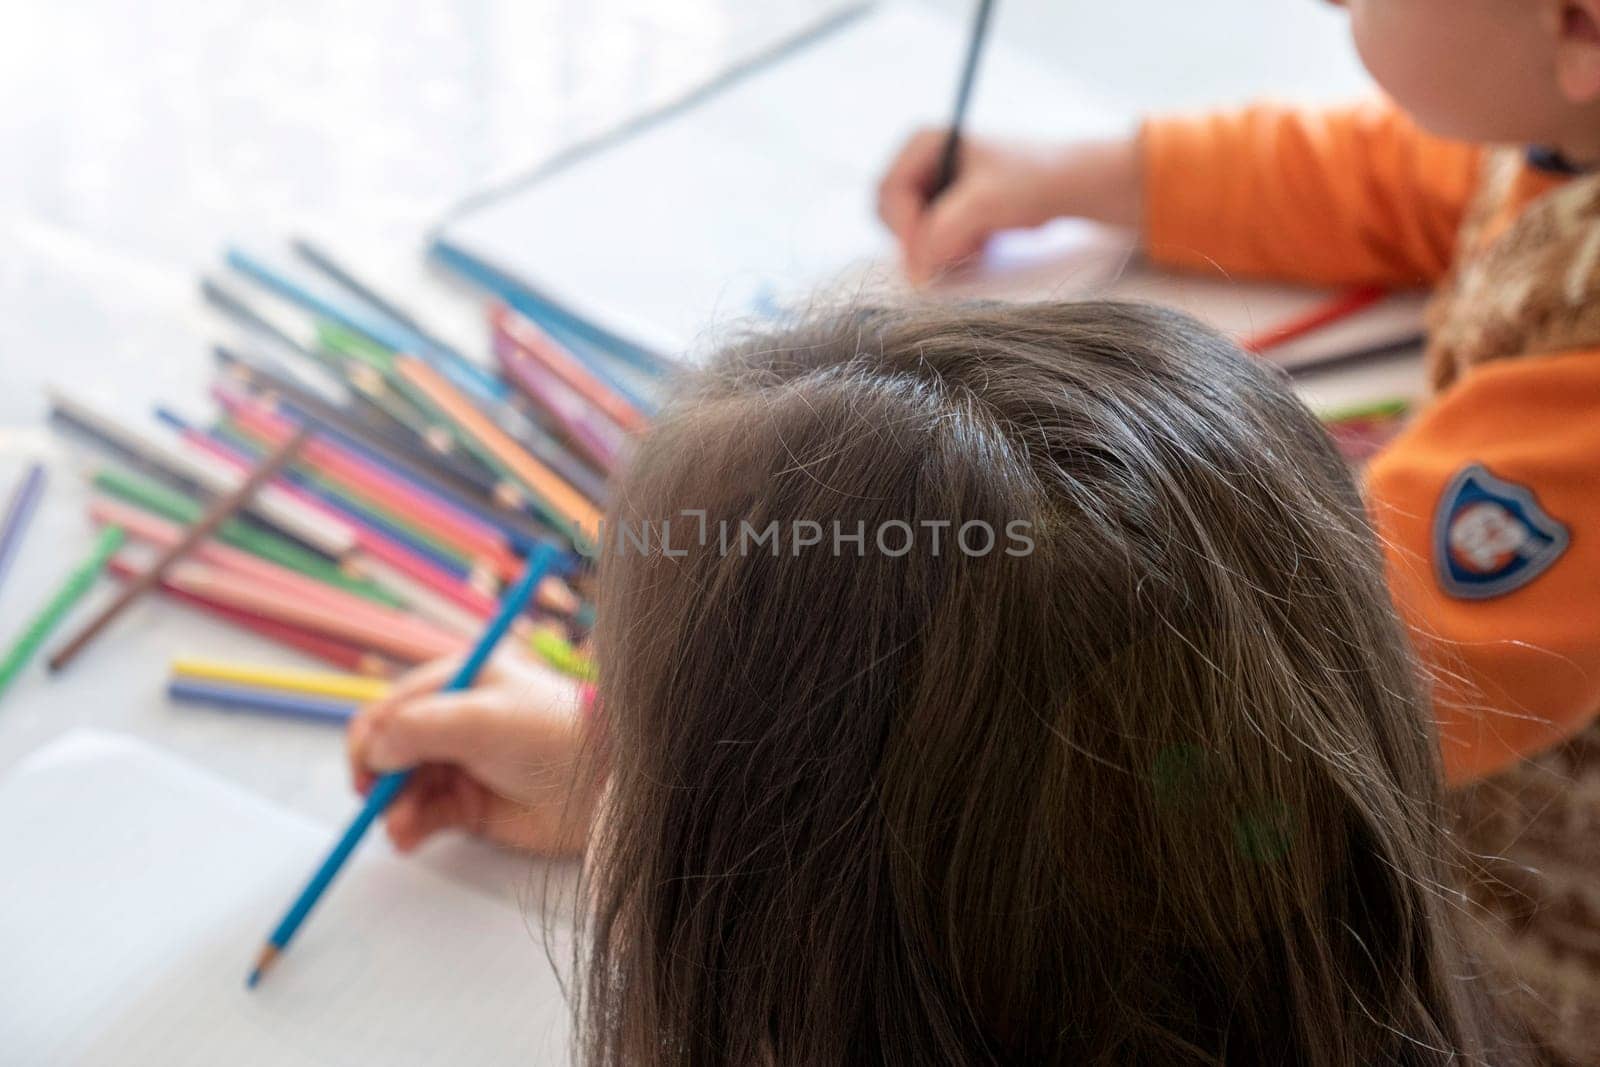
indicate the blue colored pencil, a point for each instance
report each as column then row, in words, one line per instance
column 375, row 327
column 24, row 501
column 579, row 333
column 241, row 698
column 389, row 786
column 342, row 275
column 387, row 334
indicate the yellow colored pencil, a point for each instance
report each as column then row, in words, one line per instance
column 558, row 652
column 312, row 683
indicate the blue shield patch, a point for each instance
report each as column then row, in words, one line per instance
column 1491, row 537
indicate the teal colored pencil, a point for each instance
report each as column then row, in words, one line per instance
column 542, row 560
column 71, row 591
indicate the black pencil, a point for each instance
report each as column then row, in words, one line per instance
column 952, row 143
column 320, row 259
column 1380, row 350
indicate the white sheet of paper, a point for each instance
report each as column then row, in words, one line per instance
column 138, row 889
column 765, row 190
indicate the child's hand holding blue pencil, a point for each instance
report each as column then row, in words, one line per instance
column 388, row 788
column 498, row 760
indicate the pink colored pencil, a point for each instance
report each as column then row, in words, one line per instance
column 346, row 606
column 553, row 595
column 363, row 476
column 159, row 532
column 345, row 656
column 369, row 625
column 532, row 340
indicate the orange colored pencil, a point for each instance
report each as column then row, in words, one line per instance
column 564, row 502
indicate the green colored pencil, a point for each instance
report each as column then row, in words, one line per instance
column 71, row 591
column 174, row 506
column 1377, row 409
column 352, row 345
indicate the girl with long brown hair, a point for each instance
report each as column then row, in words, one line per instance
column 983, row 685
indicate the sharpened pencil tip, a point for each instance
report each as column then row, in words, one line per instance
column 264, row 962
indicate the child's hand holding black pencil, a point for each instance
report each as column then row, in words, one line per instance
column 998, row 186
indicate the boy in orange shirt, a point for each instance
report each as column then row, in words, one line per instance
column 1489, row 503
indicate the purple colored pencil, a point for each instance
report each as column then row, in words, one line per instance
column 24, row 502
column 239, row 698
column 599, row 440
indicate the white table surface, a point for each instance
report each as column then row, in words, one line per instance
column 135, row 139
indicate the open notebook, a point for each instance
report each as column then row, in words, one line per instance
column 138, row 888
column 759, row 192
column 760, row 189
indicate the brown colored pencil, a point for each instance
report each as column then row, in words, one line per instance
column 219, row 512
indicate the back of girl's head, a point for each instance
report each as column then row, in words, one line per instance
column 1009, row 684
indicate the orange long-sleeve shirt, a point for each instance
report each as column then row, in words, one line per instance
column 1488, row 504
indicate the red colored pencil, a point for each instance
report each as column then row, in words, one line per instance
column 1342, row 306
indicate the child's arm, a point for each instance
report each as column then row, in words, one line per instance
column 500, row 760
column 1356, row 195
column 1498, row 572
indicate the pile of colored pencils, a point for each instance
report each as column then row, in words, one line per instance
column 426, row 480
